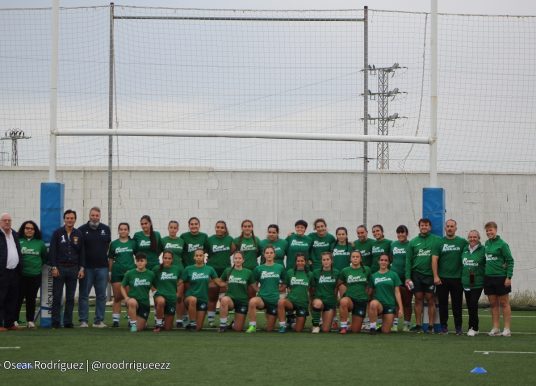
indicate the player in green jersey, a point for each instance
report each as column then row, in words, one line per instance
column 120, row 260
column 381, row 246
column 447, row 267
column 271, row 278
column 198, row 277
column 175, row 244
column 238, row 280
column 220, row 248
column 363, row 244
column 498, row 279
column 280, row 245
column 355, row 278
column 474, row 262
column 167, row 292
column 324, row 294
column 193, row 239
column 135, row 287
column 249, row 244
column 34, row 255
column 322, row 242
column 341, row 259
column 298, row 242
column 149, row 242
column 298, row 282
column 385, row 286
column 398, row 265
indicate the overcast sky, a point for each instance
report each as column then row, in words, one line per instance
column 511, row 7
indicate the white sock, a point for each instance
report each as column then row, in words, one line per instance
column 282, row 324
column 372, row 325
column 158, row 322
column 116, row 317
column 223, row 321
column 344, row 324
column 211, row 315
column 254, row 324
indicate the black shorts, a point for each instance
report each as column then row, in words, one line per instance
column 494, row 285
column 240, row 308
column 271, row 309
column 143, row 311
column 422, row 283
column 359, row 308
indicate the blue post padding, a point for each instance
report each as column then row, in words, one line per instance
column 52, row 197
column 434, row 208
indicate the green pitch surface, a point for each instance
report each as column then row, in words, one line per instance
column 212, row 358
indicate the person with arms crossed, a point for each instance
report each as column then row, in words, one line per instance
column 498, row 279
column 97, row 238
column 474, row 262
column 67, row 262
column 447, row 268
column 11, row 266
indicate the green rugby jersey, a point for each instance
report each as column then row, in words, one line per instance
column 450, row 257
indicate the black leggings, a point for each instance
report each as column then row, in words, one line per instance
column 471, row 298
column 29, row 285
column 455, row 289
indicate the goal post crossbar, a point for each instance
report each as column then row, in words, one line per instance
column 242, row 134
column 238, row 18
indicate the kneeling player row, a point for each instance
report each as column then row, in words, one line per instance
column 247, row 291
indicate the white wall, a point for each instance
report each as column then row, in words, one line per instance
column 284, row 197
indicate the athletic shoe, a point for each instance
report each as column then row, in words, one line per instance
column 472, row 332
column 494, row 332
column 222, row 328
column 68, row 325
column 282, row 329
column 133, row 328
column 157, row 328
column 84, row 325
column 459, row 332
column 115, row 323
column 394, row 328
column 251, row 329
column 506, row 332
column 335, row 325
column 373, row 331
column 444, row 330
column 31, row 325
column 417, row 328
column 315, row 330
column 99, row 325
column 343, row 330
column 211, row 324
column 179, row 324
column 406, row 328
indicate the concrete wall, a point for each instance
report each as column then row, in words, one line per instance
column 284, row 197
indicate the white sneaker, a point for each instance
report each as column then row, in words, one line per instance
column 316, row 329
column 406, row 328
column 494, row 332
column 31, row 325
column 83, row 325
column 99, row 325
column 472, row 332
column 506, row 332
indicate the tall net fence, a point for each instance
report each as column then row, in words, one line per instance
column 269, row 72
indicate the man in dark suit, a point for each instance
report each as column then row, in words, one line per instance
column 10, row 273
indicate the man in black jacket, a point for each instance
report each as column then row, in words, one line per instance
column 10, row 273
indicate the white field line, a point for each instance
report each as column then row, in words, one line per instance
column 505, row 352
column 10, row 348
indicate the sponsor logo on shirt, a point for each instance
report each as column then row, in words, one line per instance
column 382, row 279
column 298, row 243
column 424, row 252
column 199, row 276
column 168, row 276
column 123, row 250
column 220, row 248
column 398, row 251
column 141, row 282
column 450, row 248
column 326, row 279
column 145, row 243
column 269, row 275
column 295, row 282
column 340, row 252
column 236, row 280
column 172, row 246
column 491, row 257
column 355, row 279
column 378, row 250
column 320, row 244
column 469, row 263
column 193, row 247
column 248, row 247
column 29, row 251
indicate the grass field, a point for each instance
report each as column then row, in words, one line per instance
column 211, row 358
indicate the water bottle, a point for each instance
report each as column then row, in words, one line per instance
column 410, row 286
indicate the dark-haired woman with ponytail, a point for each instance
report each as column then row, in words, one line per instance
column 167, row 291
column 248, row 244
column 149, row 242
column 298, row 282
column 355, row 278
column 238, row 280
column 325, row 294
column 220, row 248
column 280, row 245
column 121, row 260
